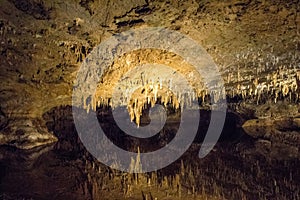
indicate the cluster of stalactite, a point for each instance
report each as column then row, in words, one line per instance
column 77, row 51
column 143, row 78
column 283, row 84
column 272, row 79
column 151, row 92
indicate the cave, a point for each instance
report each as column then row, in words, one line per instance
column 149, row 99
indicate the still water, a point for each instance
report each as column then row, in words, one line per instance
column 239, row 167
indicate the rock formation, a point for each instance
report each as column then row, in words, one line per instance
column 43, row 44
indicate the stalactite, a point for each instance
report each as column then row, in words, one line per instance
column 131, row 113
column 165, row 100
column 229, row 78
column 88, row 108
column 285, row 90
column 282, row 84
column 155, row 89
column 203, row 96
column 84, row 102
column 94, row 103
column 274, row 79
column 276, row 96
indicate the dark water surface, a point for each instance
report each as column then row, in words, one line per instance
column 239, row 167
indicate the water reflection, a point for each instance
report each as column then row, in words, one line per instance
column 239, row 167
